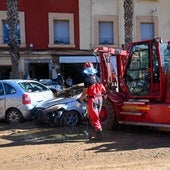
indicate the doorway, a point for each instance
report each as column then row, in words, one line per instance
column 38, row 71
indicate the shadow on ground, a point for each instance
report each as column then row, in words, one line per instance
column 31, row 133
column 123, row 138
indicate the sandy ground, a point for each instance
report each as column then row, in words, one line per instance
column 31, row 147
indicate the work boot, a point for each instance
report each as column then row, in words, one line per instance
column 97, row 136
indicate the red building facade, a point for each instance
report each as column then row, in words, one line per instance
column 48, row 30
column 36, row 19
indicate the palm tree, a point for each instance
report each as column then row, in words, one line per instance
column 12, row 21
column 128, row 18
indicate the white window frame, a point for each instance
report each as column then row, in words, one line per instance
column 3, row 16
column 146, row 19
column 105, row 18
column 60, row 16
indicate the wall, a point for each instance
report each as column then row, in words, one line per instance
column 90, row 8
column 36, row 19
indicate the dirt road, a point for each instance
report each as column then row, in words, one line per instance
column 30, row 147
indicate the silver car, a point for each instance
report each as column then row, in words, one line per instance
column 61, row 111
column 19, row 97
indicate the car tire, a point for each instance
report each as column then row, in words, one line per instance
column 14, row 116
column 71, row 118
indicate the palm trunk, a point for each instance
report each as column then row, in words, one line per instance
column 12, row 20
column 128, row 17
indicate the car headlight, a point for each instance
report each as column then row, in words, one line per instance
column 56, row 107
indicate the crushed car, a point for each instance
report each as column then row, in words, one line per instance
column 61, row 112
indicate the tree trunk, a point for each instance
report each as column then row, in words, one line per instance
column 12, row 21
column 128, row 17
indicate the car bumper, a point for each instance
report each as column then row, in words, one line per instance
column 27, row 111
column 41, row 116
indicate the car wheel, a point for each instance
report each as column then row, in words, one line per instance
column 108, row 116
column 14, row 116
column 71, row 118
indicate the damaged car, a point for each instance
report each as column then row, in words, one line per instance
column 61, row 112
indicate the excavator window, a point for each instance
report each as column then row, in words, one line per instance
column 166, row 62
column 136, row 76
column 166, row 56
column 148, row 64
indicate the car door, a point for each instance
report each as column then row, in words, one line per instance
column 2, row 101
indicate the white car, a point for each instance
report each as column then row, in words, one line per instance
column 19, row 97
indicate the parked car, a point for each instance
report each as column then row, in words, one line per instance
column 19, row 97
column 61, row 111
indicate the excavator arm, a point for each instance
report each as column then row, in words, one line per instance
column 108, row 73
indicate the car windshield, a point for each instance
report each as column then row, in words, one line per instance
column 32, row 87
column 46, row 81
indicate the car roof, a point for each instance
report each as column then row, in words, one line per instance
column 17, row 80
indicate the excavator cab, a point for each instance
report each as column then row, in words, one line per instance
column 147, row 70
column 143, row 80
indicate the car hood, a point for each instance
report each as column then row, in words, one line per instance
column 56, row 101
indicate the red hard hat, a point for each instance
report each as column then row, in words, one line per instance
column 88, row 64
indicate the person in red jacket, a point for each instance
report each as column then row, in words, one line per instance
column 93, row 91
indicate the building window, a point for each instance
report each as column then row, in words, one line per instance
column 106, row 33
column 146, row 27
column 4, row 30
column 147, row 31
column 6, row 33
column 105, row 30
column 61, row 30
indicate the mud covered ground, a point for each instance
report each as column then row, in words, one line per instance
column 31, row 147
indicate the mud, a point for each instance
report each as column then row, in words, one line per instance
column 30, row 146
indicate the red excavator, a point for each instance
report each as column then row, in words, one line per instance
column 140, row 92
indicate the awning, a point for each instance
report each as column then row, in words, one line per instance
column 84, row 59
column 78, row 59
